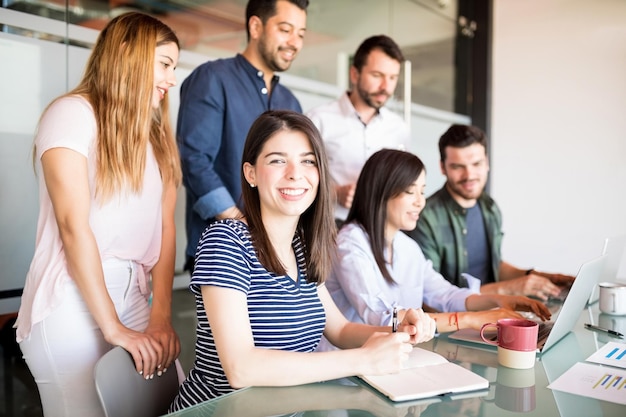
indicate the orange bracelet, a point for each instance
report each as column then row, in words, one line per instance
column 456, row 320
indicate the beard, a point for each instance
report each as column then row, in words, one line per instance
column 368, row 97
column 457, row 188
column 271, row 58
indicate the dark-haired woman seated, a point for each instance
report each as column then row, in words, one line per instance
column 379, row 268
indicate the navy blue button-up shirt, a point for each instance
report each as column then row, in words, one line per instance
column 219, row 101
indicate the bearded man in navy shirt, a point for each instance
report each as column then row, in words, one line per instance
column 220, row 100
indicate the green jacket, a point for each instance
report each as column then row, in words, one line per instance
column 441, row 230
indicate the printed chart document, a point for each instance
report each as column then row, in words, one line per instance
column 596, row 381
column 612, row 354
column 427, row 374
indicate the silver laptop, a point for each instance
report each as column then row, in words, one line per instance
column 564, row 320
column 614, row 249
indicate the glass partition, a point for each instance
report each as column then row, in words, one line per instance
column 424, row 29
column 44, row 46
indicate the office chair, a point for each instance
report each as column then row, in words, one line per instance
column 125, row 393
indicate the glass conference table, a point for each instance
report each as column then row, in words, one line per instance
column 511, row 392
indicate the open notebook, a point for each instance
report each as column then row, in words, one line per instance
column 427, row 374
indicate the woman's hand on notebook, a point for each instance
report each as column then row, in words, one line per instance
column 385, row 353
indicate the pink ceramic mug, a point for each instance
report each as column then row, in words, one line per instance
column 516, row 340
column 513, row 334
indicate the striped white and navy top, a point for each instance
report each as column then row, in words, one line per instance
column 284, row 314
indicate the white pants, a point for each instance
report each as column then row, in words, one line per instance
column 62, row 350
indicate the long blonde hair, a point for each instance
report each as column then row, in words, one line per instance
column 119, row 84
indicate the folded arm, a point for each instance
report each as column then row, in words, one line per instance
column 199, row 132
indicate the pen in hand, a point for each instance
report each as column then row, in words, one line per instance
column 602, row 329
column 394, row 320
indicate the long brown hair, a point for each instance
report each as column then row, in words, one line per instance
column 385, row 175
column 119, row 83
column 316, row 225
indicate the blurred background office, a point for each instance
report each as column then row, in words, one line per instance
column 544, row 78
column 45, row 44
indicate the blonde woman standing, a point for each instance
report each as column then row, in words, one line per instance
column 108, row 169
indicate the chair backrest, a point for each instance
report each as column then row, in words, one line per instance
column 123, row 392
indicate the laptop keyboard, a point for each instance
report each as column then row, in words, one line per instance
column 544, row 330
column 544, row 326
column 554, row 304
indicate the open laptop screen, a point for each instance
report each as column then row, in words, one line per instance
column 565, row 319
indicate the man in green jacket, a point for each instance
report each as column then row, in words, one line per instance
column 460, row 229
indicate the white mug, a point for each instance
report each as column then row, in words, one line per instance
column 613, row 298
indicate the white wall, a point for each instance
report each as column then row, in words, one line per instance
column 558, row 128
column 38, row 73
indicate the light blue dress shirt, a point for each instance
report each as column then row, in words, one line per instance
column 360, row 291
column 349, row 142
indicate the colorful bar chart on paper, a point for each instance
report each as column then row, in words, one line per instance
column 613, row 354
column 595, row 381
column 617, row 353
column 610, row 381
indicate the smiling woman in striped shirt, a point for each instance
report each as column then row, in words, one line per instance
column 259, row 280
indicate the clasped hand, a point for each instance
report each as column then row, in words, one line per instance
column 153, row 351
column 345, row 194
column 419, row 325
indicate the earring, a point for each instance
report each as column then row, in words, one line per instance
column 252, row 185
